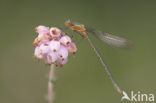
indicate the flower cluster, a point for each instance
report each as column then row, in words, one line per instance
column 53, row 45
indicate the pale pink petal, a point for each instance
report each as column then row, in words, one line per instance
column 72, row 48
column 36, row 42
column 62, row 52
column 44, row 42
column 42, row 29
column 51, row 58
column 62, row 62
column 54, row 45
column 44, row 37
column 38, row 53
column 65, row 40
column 44, row 48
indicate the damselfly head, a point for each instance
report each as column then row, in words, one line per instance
column 68, row 23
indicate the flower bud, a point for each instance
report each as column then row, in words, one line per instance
column 36, row 42
column 72, row 48
column 38, row 53
column 62, row 53
column 43, row 37
column 42, row 29
column 65, row 40
column 51, row 58
column 55, row 32
column 62, row 62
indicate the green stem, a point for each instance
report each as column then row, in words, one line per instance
column 50, row 84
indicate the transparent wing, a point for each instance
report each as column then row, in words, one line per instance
column 110, row 39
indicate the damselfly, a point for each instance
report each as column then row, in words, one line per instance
column 105, row 37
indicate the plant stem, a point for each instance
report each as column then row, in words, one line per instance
column 50, row 83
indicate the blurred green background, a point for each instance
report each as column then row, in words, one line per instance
column 82, row 80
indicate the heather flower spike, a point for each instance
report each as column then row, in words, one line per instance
column 52, row 45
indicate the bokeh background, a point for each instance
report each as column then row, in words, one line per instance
column 23, row 79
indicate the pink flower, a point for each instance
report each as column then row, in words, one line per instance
column 36, row 42
column 44, row 48
column 65, row 40
column 55, row 32
column 62, row 53
column 38, row 53
column 51, row 58
column 42, row 38
column 42, row 29
column 62, row 62
column 72, row 48
column 54, row 45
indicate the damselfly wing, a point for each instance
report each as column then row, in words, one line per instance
column 110, row 39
